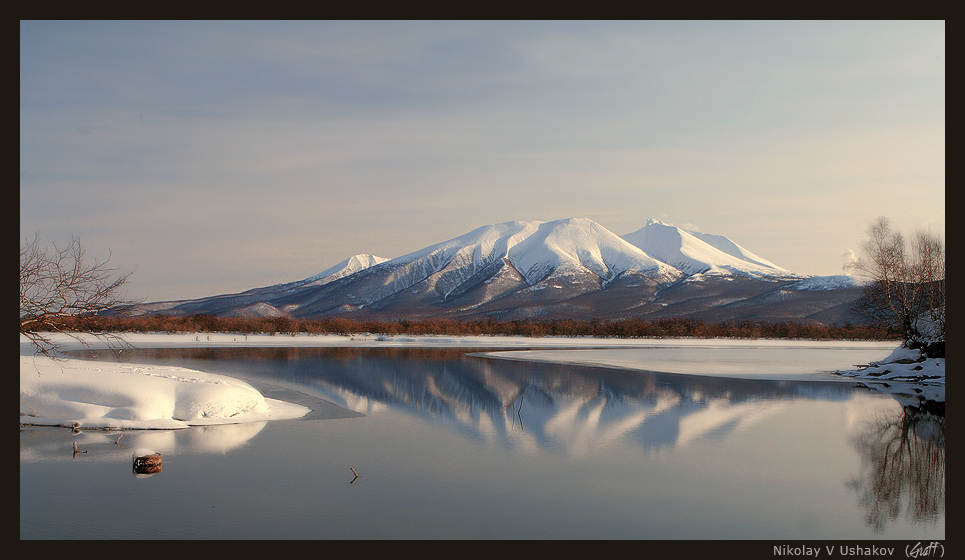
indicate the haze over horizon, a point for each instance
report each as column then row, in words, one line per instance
column 213, row 157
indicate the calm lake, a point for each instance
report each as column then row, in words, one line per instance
column 452, row 444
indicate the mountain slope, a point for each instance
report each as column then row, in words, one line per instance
column 256, row 302
column 701, row 253
column 571, row 268
column 526, row 262
column 536, row 250
column 579, row 244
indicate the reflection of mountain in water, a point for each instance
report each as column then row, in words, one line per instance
column 517, row 404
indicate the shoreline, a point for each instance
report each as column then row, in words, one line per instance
column 216, row 340
column 654, row 355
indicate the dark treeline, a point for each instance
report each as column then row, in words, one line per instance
column 623, row 328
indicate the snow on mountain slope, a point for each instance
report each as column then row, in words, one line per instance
column 733, row 249
column 828, row 282
column 349, row 266
column 450, row 263
column 535, row 249
column 578, row 244
column 701, row 253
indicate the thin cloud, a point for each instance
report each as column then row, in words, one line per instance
column 384, row 137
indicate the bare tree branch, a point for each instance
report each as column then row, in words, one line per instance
column 61, row 283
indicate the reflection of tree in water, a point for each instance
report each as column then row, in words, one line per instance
column 903, row 466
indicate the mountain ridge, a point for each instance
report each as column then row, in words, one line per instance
column 572, row 267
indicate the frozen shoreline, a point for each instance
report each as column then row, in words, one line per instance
column 111, row 395
column 217, row 340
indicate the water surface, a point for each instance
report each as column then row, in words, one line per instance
column 449, row 445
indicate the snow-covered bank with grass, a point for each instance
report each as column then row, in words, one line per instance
column 903, row 364
column 907, row 375
column 110, row 395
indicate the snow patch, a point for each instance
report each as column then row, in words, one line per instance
column 826, row 283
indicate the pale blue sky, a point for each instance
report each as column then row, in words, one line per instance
column 215, row 157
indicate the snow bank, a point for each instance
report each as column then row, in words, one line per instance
column 903, row 364
column 71, row 392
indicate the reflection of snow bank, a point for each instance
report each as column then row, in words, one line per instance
column 118, row 395
column 913, row 380
column 222, row 438
column 47, row 444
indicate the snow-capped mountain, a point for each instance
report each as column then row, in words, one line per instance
column 512, row 262
column 347, row 267
column 573, row 268
column 693, row 252
column 538, row 250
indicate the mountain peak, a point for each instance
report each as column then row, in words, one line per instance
column 694, row 252
column 574, row 244
column 349, row 266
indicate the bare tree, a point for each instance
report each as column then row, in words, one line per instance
column 61, row 283
column 907, row 288
column 929, row 268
